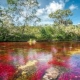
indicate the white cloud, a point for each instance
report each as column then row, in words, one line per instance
column 78, row 23
column 40, row 11
column 52, row 7
column 72, row 7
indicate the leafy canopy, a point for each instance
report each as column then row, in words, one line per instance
column 61, row 16
column 25, row 9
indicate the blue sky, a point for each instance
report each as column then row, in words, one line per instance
column 48, row 6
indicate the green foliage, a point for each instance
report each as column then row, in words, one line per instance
column 10, row 16
column 60, row 17
column 4, row 34
column 25, row 9
column 12, row 1
column 39, row 33
column 46, row 33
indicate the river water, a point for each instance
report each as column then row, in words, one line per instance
column 40, row 61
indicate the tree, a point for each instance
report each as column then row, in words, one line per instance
column 1, row 14
column 23, row 11
column 61, row 16
column 5, row 20
column 4, row 24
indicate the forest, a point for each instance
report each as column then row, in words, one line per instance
column 14, row 29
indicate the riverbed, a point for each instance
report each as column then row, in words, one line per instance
column 40, row 61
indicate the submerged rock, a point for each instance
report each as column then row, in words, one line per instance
column 28, row 64
column 51, row 74
column 25, row 71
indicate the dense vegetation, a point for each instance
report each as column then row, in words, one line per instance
column 40, row 33
column 14, row 29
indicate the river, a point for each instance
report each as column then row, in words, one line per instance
column 40, row 61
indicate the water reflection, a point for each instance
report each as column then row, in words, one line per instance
column 40, row 56
column 74, row 61
column 21, row 61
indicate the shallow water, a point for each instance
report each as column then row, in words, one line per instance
column 40, row 61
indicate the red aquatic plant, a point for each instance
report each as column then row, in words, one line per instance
column 40, row 72
column 71, row 75
column 59, row 62
column 6, row 71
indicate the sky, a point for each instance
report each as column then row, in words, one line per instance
column 48, row 6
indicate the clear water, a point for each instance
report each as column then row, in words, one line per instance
column 40, row 61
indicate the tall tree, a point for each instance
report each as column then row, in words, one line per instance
column 61, row 16
column 4, row 17
column 1, row 16
column 4, row 20
column 23, row 11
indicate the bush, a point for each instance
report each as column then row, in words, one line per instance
column 40, row 33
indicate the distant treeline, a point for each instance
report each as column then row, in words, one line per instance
column 40, row 33
column 62, row 29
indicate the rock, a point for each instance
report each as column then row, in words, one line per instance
column 28, row 64
column 51, row 73
column 26, row 70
